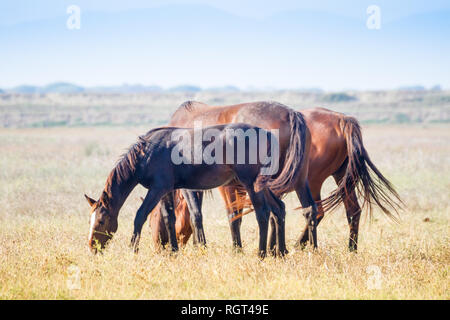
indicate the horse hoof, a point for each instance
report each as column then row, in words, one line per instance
column 300, row 246
column 238, row 250
column 273, row 253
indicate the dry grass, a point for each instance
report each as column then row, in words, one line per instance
column 44, row 227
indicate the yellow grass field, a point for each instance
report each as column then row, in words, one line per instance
column 44, row 221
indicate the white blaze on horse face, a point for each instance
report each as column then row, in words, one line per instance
column 91, row 231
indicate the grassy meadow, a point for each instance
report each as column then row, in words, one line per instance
column 56, row 147
column 44, row 221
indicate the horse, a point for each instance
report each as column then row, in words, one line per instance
column 337, row 150
column 267, row 115
column 154, row 162
column 183, row 227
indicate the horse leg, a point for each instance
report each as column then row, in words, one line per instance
column 168, row 214
column 273, row 236
column 194, row 201
column 235, row 228
column 163, row 235
column 183, row 223
column 353, row 211
column 150, row 201
column 308, row 203
column 229, row 195
column 262, row 216
column 304, row 237
column 277, row 222
column 158, row 229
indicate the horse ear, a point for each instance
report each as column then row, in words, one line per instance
column 90, row 200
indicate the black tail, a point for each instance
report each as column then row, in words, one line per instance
column 362, row 176
column 293, row 163
column 294, row 159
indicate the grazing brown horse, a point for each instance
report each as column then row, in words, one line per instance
column 163, row 164
column 336, row 150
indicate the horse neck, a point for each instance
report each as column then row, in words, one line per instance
column 118, row 191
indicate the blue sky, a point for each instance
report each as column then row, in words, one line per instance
column 277, row 44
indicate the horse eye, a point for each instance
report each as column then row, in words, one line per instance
column 101, row 222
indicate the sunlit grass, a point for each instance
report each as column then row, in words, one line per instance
column 44, row 226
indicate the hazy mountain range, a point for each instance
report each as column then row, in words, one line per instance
column 66, row 87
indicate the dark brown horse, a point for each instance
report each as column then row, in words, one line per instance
column 163, row 164
column 267, row 115
column 336, row 150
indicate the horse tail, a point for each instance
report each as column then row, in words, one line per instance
column 294, row 159
column 362, row 176
column 293, row 162
column 177, row 198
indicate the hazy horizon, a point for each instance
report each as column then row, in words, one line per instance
column 195, row 87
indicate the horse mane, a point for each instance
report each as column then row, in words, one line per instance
column 126, row 165
column 187, row 105
column 191, row 106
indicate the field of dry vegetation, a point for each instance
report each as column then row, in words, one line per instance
column 155, row 108
column 44, row 221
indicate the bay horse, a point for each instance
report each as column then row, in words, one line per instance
column 150, row 162
column 337, row 150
